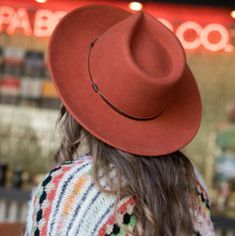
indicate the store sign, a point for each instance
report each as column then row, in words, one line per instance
column 12, row 21
column 212, row 37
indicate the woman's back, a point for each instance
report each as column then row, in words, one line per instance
column 68, row 203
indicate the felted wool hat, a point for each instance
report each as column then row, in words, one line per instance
column 125, row 79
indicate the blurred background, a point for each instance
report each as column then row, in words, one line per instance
column 29, row 104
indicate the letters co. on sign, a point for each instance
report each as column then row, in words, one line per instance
column 213, row 37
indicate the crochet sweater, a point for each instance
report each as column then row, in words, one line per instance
column 67, row 203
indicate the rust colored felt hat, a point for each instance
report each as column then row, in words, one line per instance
column 125, row 79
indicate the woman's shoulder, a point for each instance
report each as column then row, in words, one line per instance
column 202, row 212
column 66, row 195
column 201, row 188
column 65, row 175
column 57, row 194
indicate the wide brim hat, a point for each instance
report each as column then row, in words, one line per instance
column 125, row 79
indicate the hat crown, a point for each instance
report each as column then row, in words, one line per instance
column 134, row 69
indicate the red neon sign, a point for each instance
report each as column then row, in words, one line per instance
column 212, row 36
column 202, row 35
column 12, row 21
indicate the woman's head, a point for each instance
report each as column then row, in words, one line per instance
column 161, row 185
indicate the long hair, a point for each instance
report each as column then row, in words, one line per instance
column 163, row 186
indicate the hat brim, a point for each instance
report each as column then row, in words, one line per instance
column 68, row 64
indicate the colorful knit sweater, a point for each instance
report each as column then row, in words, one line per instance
column 68, row 203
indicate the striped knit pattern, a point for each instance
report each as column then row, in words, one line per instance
column 202, row 224
column 67, row 203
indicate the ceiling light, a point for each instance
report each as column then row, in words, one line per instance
column 135, row 6
column 233, row 14
column 40, row 1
